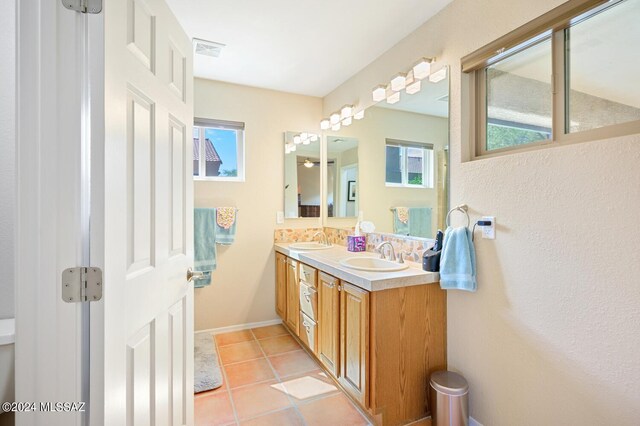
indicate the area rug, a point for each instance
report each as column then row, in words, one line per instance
column 206, row 368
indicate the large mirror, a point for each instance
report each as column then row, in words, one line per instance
column 401, row 163
column 342, row 176
column 302, row 196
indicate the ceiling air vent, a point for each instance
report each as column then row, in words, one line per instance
column 207, row 48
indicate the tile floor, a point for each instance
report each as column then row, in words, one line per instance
column 270, row 380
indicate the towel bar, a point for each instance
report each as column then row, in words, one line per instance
column 461, row 208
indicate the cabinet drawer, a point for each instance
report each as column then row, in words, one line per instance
column 309, row 300
column 308, row 334
column 308, row 274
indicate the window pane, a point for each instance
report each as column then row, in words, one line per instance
column 519, row 99
column 394, row 164
column 602, row 69
column 221, row 152
column 415, row 166
column 196, row 152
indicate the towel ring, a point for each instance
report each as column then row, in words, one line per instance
column 461, row 208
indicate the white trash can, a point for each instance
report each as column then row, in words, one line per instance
column 449, row 397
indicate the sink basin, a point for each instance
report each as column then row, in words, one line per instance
column 373, row 264
column 312, row 245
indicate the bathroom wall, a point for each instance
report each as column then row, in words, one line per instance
column 7, row 156
column 551, row 336
column 243, row 289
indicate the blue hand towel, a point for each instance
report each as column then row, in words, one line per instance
column 226, row 235
column 458, row 264
column 420, row 222
column 204, row 242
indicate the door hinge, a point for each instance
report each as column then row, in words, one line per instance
column 83, row 6
column 82, row 284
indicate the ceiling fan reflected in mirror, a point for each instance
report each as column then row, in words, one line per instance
column 308, row 163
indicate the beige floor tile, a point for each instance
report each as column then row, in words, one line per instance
column 291, row 363
column 278, row 345
column 335, row 411
column 288, row 417
column 251, row 401
column 213, row 409
column 234, row 337
column 239, row 352
column 270, row 331
column 248, row 372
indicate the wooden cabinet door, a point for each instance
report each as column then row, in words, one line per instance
column 281, row 285
column 328, row 322
column 293, row 296
column 354, row 342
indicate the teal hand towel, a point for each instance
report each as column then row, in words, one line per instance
column 204, row 242
column 458, row 264
column 226, row 224
column 399, row 227
column 420, row 222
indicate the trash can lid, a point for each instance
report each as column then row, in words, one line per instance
column 449, row 383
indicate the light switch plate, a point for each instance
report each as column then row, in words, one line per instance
column 489, row 232
column 279, row 217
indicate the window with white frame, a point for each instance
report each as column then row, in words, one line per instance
column 409, row 164
column 218, row 150
column 568, row 76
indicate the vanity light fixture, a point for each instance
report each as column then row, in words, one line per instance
column 379, row 93
column 335, row 118
column 346, row 111
column 336, row 127
column 308, row 164
column 359, row 115
column 325, row 124
column 297, row 139
column 413, row 87
column 347, row 121
column 399, row 82
column 393, row 98
column 422, row 69
column 439, row 75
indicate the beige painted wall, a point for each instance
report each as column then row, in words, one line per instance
column 244, row 283
column 375, row 198
column 552, row 334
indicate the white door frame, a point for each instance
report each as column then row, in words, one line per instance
column 51, row 207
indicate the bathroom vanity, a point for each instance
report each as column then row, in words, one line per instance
column 379, row 335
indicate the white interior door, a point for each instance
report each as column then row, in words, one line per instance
column 142, row 332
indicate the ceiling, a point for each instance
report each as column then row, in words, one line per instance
column 293, row 46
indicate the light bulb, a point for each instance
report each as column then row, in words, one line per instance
column 346, row 121
column 439, row 75
column 308, row 164
column 346, row 111
column 422, row 69
column 297, row 140
column 393, row 98
column 359, row 115
column 336, row 127
column 379, row 93
column 325, row 124
column 398, row 82
column 414, row 87
column 335, row 118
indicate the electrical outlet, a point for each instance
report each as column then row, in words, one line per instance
column 279, row 217
column 489, row 232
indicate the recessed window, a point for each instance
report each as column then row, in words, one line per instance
column 218, row 150
column 409, row 164
column 601, row 72
column 514, row 118
column 574, row 80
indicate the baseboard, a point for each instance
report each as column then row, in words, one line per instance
column 474, row 422
column 240, row 327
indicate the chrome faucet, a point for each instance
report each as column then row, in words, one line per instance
column 323, row 237
column 380, row 248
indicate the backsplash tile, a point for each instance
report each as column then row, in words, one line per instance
column 412, row 247
column 288, row 235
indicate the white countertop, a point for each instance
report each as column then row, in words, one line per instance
column 328, row 261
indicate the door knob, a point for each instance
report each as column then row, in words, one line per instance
column 191, row 274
